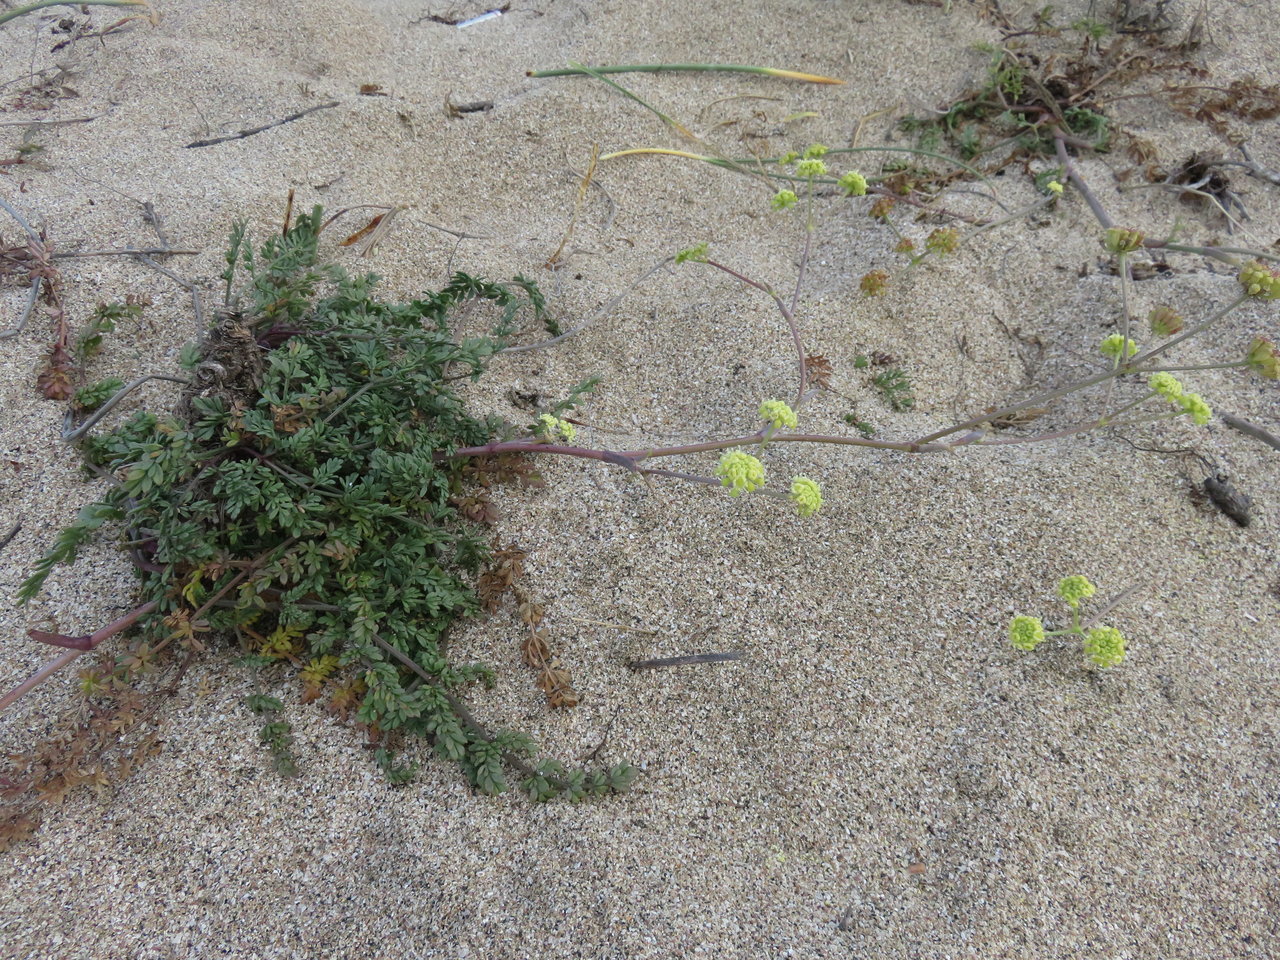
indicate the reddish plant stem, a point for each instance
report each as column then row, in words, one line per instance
column 786, row 312
column 81, row 645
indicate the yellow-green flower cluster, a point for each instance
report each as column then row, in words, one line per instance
column 1074, row 589
column 740, row 472
column 1259, row 280
column 806, row 495
column 853, row 184
column 1120, row 240
column 783, row 199
column 810, row 167
column 1054, row 187
column 698, row 254
column 1194, row 404
column 1114, row 345
column 1167, row 385
column 1104, row 646
column 1026, row 633
column 553, row 428
column 814, row 151
column 778, row 414
column 1262, row 358
column 942, row 241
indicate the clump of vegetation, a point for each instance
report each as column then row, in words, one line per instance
column 302, row 499
column 1104, row 646
column 316, row 493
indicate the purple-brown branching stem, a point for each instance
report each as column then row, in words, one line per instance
column 1060, row 144
column 84, row 644
column 631, row 459
column 1076, row 429
column 787, row 314
column 1036, row 401
column 1192, row 331
column 77, row 645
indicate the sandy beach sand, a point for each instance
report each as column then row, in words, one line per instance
column 881, row 775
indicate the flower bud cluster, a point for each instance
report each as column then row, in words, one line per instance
column 1119, row 240
column 1259, row 280
column 740, row 472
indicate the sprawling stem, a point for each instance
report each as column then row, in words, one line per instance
column 1192, row 331
column 787, row 314
column 83, row 645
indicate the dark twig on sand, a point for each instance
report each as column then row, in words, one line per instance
column 266, row 126
column 684, row 661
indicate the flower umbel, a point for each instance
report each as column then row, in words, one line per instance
column 1104, row 646
column 811, row 167
column 853, row 184
column 880, row 209
column 1164, row 321
column 1262, row 358
column 874, row 284
column 942, row 241
column 698, row 254
column 778, row 414
column 1193, row 403
column 1074, row 589
column 1259, row 280
column 783, row 199
column 1167, row 385
column 1114, row 345
column 740, row 472
column 1120, row 240
column 1054, row 187
column 806, row 495
column 814, row 151
column 1026, row 633
column 553, row 428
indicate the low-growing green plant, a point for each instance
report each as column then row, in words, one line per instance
column 303, row 499
column 309, row 496
column 1104, row 646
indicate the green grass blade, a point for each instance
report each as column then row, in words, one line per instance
column 591, row 71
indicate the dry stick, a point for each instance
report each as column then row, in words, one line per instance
column 266, row 126
column 1252, row 166
column 22, row 221
column 553, row 261
column 127, row 252
column 45, row 123
column 685, row 660
column 13, row 532
column 21, row 325
column 1060, row 144
column 1113, row 603
column 1250, row 429
column 37, row 251
column 187, row 285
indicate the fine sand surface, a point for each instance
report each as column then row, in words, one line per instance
column 881, row 775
